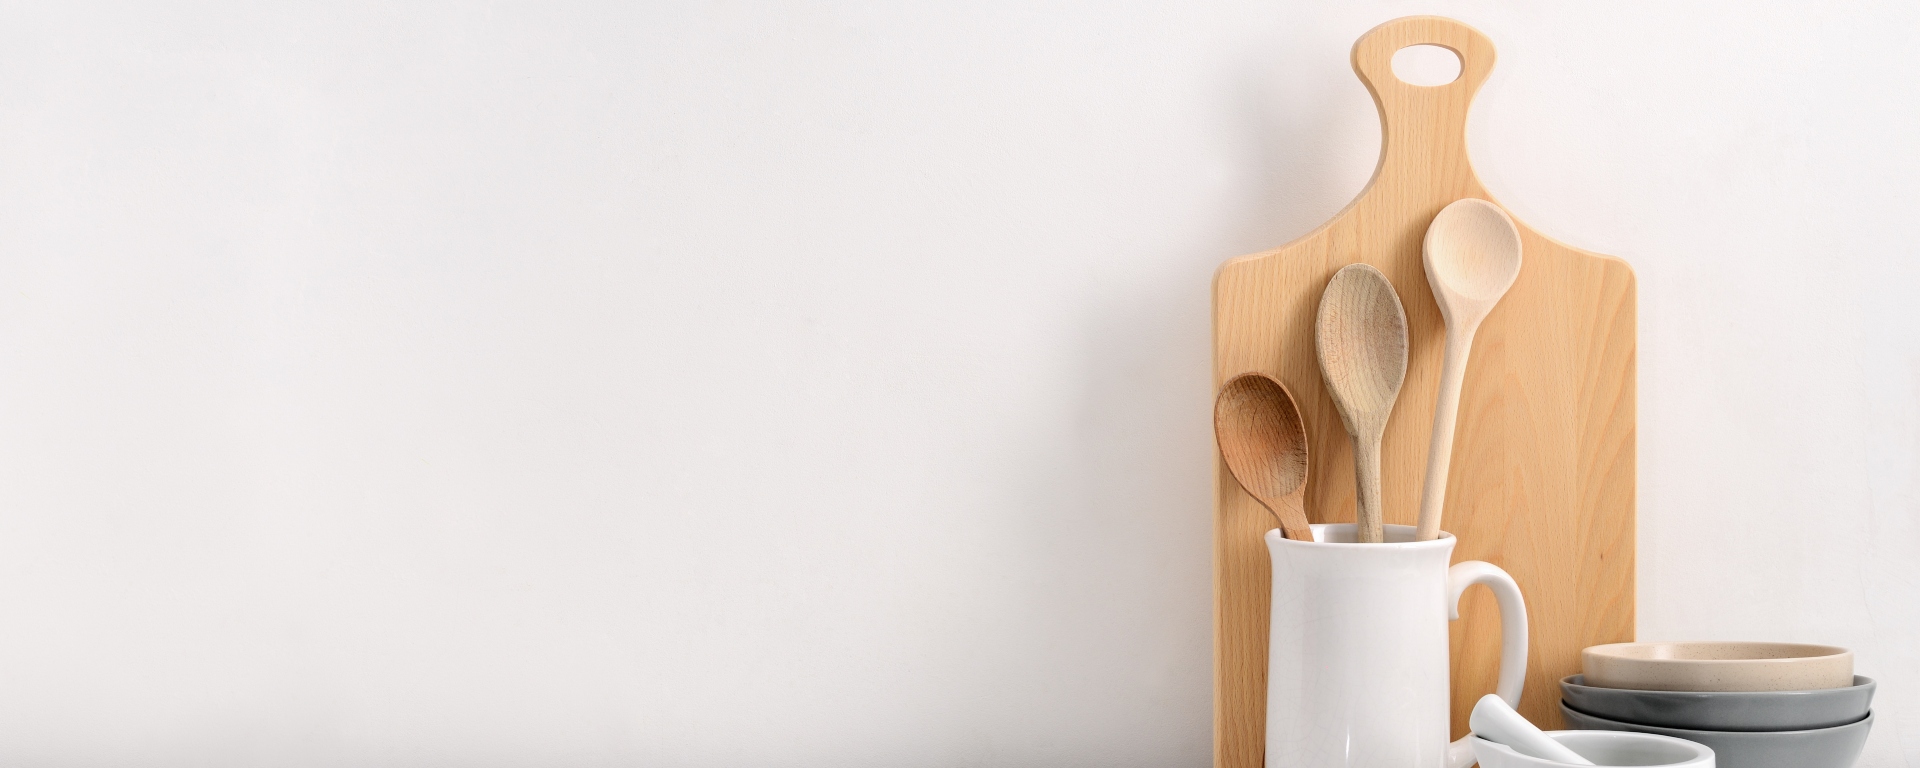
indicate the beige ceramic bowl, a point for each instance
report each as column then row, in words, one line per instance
column 1717, row 666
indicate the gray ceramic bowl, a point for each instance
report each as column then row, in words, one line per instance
column 1724, row 710
column 1824, row 747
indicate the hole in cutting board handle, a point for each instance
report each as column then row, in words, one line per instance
column 1426, row 65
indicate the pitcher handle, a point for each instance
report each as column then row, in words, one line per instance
column 1513, row 636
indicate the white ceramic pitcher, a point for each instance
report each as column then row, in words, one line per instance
column 1357, row 655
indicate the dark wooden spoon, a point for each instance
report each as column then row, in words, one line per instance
column 1264, row 442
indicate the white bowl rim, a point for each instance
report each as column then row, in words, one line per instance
column 1702, row 754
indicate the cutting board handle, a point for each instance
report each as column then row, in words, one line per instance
column 1417, row 122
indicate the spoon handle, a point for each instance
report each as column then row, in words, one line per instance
column 1366, row 474
column 1446, row 410
column 1291, row 510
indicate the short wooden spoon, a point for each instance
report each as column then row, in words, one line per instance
column 1360, row 337
column 1265, row 444
column 1472, row 255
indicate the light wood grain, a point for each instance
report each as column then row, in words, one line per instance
column 1360, row 340
column 1264, row 443
column 1471, row 254
column 1542, row 483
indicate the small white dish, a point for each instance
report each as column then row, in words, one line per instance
column 1607, row 748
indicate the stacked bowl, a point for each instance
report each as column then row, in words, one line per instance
column 1758, row 705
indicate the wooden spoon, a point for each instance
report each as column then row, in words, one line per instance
column 1265, row 444
column 1472, row 255
column 1360, row 337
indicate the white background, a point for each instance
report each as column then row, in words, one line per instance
column 761, row 384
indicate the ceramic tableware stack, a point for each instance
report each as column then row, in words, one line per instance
column 1758, row 705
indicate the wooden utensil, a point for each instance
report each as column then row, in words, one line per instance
column 1548, row 405
column 1360, row 337
column 1258, row 427
column 1472, row 256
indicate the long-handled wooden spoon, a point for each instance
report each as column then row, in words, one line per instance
column 1265, row 444
column 1472, row 255
column 1360, row 337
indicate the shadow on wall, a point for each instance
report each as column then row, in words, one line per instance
column 1120, row 523
column 1309, row 148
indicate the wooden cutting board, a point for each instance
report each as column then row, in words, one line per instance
column 1542, row 481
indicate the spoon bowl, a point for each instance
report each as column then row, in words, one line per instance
column 1472, row 253
column 1264, row 442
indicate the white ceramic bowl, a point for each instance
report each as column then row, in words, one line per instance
column 1717, row 666
column 1603, row 748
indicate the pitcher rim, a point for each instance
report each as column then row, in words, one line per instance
column 1445, row 540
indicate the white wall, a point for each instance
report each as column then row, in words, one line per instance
column 789, row 385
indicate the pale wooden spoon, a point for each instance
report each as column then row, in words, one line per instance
column 1472, row 255
column 1265, row 444
column 1360, row 337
